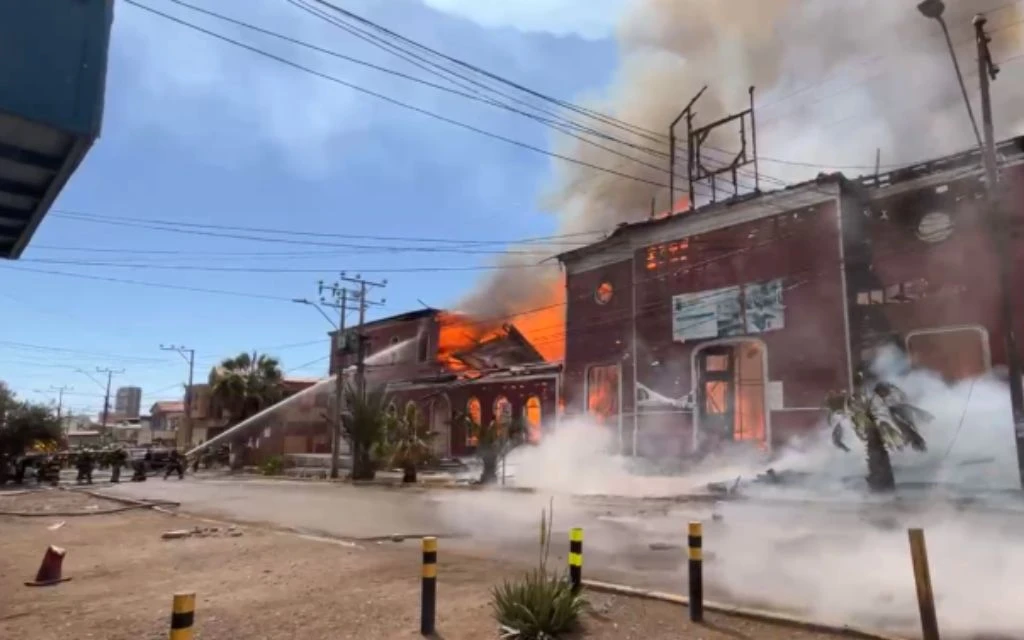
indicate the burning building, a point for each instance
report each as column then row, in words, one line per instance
column 730, row 323
column 445, row 364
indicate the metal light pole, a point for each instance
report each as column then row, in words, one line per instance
column 998, row 213
column 934, row 9
column 185, row 439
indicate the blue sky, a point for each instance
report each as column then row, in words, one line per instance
column 198, row 131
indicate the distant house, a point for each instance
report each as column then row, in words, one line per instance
column 166, row 417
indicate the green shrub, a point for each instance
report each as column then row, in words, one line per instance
column 539, row 604
column 273, row 466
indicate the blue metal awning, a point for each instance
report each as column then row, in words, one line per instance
column 53, row 65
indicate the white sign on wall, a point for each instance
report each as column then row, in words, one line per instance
column 729, row 311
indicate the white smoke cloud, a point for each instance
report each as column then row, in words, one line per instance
column 842, row 557
column 836, row 82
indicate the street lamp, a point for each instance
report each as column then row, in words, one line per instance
column 934, row 9
column 317, row 307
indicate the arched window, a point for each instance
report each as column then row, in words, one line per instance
column 475, row 412
column 532, row 417
column 502, row 411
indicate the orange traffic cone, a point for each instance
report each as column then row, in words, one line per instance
column 50, row 568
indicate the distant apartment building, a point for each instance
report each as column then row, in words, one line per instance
column 128, row 402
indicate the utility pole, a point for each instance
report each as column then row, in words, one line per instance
column 106, row 396
column 336, row 297
column 999, row 219
column 60, row 397
column 363, row 285
column 185, row 439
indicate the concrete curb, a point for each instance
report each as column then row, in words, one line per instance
column 739, row 612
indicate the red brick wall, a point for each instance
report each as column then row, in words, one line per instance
column 960, row 272
column 808, row 355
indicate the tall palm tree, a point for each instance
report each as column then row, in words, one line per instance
column 247, row 384
column 364, row 423
column 882, row 417
column 409, row 436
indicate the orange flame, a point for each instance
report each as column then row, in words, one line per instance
column 542, row 323
column 681, row 206
column 458, row 332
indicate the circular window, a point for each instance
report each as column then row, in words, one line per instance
column 935, row 227
column 604, row 292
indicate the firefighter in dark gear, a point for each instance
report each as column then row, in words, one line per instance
column 175, row 464
column 118, row 459
column 85, row 465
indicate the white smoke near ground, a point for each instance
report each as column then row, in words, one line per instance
column 825, row 547
column 835, row 82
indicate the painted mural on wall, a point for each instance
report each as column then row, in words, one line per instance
column 730, row 311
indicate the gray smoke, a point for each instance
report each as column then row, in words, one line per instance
column 835, row 81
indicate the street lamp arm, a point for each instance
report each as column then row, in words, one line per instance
column 317, row 307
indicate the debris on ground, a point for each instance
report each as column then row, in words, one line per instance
column 57, row 525
column 201, row 532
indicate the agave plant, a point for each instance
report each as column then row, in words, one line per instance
column 881, row 416
column 538, row 605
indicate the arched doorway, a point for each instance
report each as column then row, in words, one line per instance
column 731, row 386
column 532, row 416
column 440, row 425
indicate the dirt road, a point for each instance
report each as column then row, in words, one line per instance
column 257, row 583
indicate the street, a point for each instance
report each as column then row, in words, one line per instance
column 843, row 565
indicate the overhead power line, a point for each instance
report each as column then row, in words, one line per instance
column 393, row 101
column 546, row 240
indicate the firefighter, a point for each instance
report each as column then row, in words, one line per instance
column 85, row 465
column 175, row 464
column 118, row 458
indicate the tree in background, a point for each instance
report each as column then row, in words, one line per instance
column 881, row 416
column 363, row 425
column 23, row 425
column 247, row 384
column 408, row 437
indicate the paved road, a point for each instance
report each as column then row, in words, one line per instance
column 846, row 564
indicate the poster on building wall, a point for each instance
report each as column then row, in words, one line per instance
column 764, row 310
column 730, row 311
column 706, row 314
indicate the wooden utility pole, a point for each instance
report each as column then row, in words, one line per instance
column 106, row 396
column 60, row 397
column 336, row 296
column 999, row 218
column 185, row 438
column 363, row 285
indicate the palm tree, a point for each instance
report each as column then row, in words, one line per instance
column 881, row 416
column 493, row 441
column 247, row 384
column 363, row 424
column 408, row 438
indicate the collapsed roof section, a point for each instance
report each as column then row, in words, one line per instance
column 507, row 348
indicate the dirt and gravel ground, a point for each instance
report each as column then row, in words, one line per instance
column 267, row 584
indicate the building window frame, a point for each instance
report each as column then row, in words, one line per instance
column 981, row 330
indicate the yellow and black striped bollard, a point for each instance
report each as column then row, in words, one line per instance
column 183, row 613
column 695, row 545
column 576, row 558
column 428, row 600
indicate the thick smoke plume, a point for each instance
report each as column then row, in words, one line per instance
column 835, row 81
column 823, row 547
